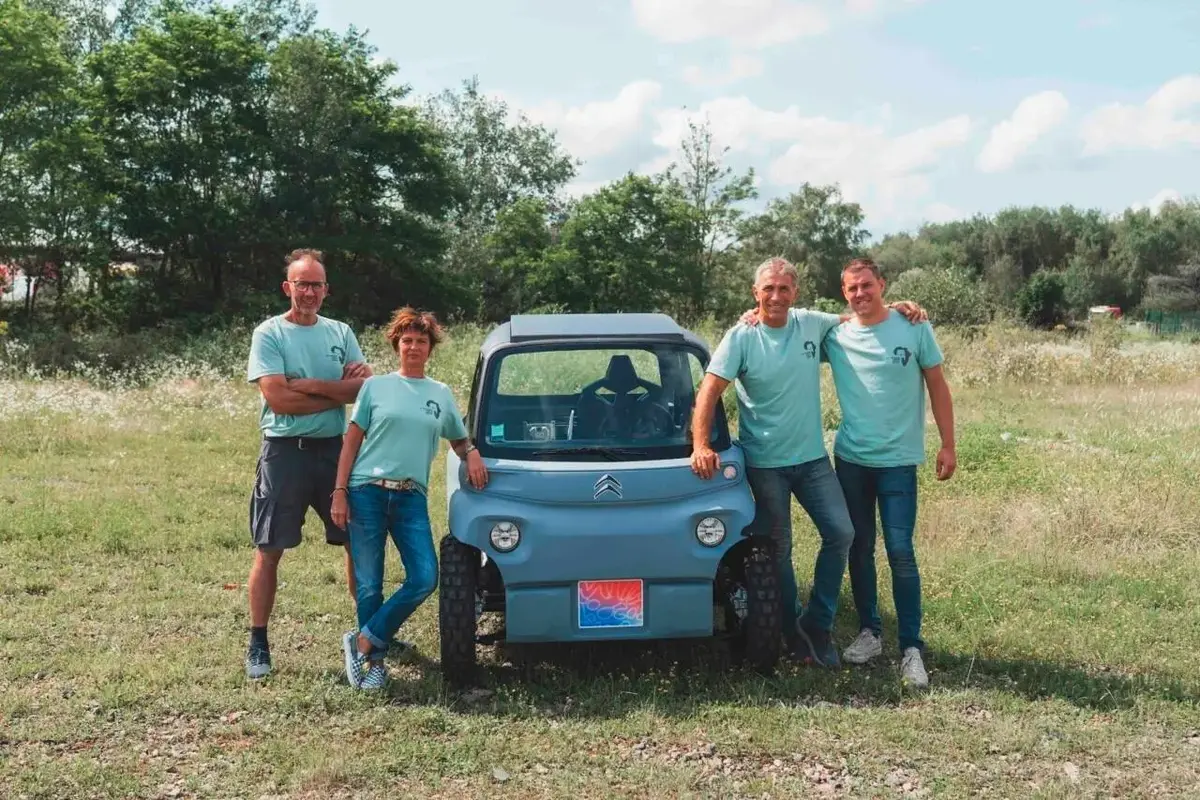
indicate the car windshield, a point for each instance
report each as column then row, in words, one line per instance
column 596, row 402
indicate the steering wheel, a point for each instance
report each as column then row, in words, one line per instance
column 651, row 419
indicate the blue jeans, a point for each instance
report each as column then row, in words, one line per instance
column 815, row 487
column 893, row 490
column 374, row 512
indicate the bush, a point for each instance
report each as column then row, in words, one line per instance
column 949, row 296
column 1042, row 302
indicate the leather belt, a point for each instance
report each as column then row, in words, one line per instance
column 406, row 485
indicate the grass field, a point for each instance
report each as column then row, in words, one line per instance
column 1061, row 574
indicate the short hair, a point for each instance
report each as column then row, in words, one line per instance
column 777, row 264
column 859, row 264
column 409, row 319
column 302, row 253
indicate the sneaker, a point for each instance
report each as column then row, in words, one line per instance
column 375, row 678
column 814, row 647
column 356, row 663
column 258, row 662
column 866, row 646
column 912, row 669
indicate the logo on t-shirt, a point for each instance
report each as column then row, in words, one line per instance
column 433, row 409
column 901, row 356
column 338, row 354
column 810, row 349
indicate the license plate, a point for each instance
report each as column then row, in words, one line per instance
column 610, row 604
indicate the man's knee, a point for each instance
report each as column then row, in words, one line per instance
column 268, row 558
column 902, row 560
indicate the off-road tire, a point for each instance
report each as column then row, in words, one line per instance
column 456, row 610
column 762, row 631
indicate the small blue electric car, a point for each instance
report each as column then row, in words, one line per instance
column 593, row 525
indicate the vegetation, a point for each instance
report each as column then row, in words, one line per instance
column 1059, row 570
column 158, row 158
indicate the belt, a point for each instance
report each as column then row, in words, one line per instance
column 406, row 485
column 307, row 442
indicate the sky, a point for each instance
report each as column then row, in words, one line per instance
column 920, row 110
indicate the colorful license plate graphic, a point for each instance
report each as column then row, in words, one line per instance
column 610, row 604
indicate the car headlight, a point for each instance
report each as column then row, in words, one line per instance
column 505, row 536
column 710, row 531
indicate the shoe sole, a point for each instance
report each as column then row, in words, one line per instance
column 349, row 651
column 257, row 673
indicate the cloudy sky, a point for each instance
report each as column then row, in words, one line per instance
column 920, row 109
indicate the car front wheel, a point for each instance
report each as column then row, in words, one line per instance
column 457, row 611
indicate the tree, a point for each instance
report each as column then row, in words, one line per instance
column 623, row 248
column 1042, row 301
column 714, row 192
column 496, row 158
column 950, row 296
column 813, row 228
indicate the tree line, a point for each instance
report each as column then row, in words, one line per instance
column 158, row 158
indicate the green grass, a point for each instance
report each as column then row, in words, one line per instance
column 1059, row 569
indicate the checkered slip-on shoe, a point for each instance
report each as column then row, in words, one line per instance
column 375, row 678
column 356, row 663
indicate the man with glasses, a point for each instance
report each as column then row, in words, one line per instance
column 308, row 368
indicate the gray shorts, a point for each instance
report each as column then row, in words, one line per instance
column 293, row 475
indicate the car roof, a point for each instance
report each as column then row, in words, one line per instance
column 527, row 328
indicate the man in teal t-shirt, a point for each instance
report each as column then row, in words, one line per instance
column 881, row 366
column 307, row 368
column 776, row 365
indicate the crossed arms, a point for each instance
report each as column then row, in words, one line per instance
column 308, row 395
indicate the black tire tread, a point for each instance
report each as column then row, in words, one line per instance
column 456, row 610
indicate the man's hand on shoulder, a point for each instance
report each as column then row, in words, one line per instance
column 911, row 311
column 749, row 318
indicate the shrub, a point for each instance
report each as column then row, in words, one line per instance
column 1042, row 302
column 950, row 296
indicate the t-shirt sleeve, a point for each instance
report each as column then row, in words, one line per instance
column 266, row 357
column 825, row 322
column 452, row 422
column 360, row 414
column 353, row 351
column 727, row 360
column 929, row 354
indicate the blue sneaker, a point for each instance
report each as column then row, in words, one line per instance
column 258, row 662
column 813, row 646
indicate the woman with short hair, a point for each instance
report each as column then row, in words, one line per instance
column 382, row 483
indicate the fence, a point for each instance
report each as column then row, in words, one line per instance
column 1168, row 322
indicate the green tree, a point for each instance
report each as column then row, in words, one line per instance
column 1042, row 301
column 950, row 296
column 623, row 248
column 813, row 228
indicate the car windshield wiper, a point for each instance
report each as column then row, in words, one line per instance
column 612, row 453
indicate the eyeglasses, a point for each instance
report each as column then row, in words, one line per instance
column 309, row 286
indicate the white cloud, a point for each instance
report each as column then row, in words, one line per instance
column 1159, row 200
column 885, row 172
column 752, row 23
column 601, row 126
column 869, row 8
column 1034, row 117
column 942, row 212
column 740, row 67
column 1158, row 124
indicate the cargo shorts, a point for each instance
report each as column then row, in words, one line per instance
column 294, row 474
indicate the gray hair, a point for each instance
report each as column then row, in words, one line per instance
column 777, row 264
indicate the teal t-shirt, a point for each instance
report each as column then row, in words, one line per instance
column 403, row 419
column 320, row 351
column 777, row 374
column 877, row 371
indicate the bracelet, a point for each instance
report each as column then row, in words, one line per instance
column 337, row 489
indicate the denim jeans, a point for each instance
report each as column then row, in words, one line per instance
column 815, row 487
column 374, row 512
column 893, row 490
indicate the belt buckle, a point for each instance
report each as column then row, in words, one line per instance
column 300, row 443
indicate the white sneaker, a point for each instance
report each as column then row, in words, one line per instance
column 912, row 669
column 865, row 647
